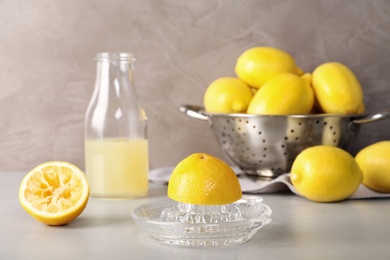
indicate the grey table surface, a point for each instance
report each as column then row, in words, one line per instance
column 300, row 229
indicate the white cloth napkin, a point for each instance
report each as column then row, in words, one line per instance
column 258, row 185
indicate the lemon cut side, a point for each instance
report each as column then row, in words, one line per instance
column 54, row 193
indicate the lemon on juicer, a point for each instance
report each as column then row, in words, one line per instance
column 203, row 179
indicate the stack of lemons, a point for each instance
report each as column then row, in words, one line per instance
column 269, row 82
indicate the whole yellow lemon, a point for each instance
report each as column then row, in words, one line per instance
column 374, row 160
column 325, row 174
column 203, row 179
column 257, row 65
column 337, row 89
column 227, row 95
column 284, row 94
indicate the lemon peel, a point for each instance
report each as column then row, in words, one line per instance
column 284, row 94
column 257, row 65
column 203, row 179
column 337, row 89
column 227, row 95
column 325, row 174
column 374, row 160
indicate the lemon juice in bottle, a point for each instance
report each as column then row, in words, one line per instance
column 119, row 167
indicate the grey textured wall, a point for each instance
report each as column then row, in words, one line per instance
column 47, row 69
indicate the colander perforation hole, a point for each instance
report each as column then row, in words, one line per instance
column 317, row 122
column 247, row 121
column 292, row 130
column 286, row 138
column 299, row 123
column 254, row 127
column 260, row 132
column 264, row 140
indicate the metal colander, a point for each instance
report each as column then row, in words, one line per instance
column 266, row 145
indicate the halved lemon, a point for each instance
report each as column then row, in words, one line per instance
column 203, row 179
column 54, row 193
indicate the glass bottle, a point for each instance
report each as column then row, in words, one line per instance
column 116, row 144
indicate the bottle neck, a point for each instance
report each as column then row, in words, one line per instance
column 115, row 73
column 114, row 110
column 124, row 61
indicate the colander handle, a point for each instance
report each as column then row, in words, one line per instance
column 372, row 117
column 194, row 111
